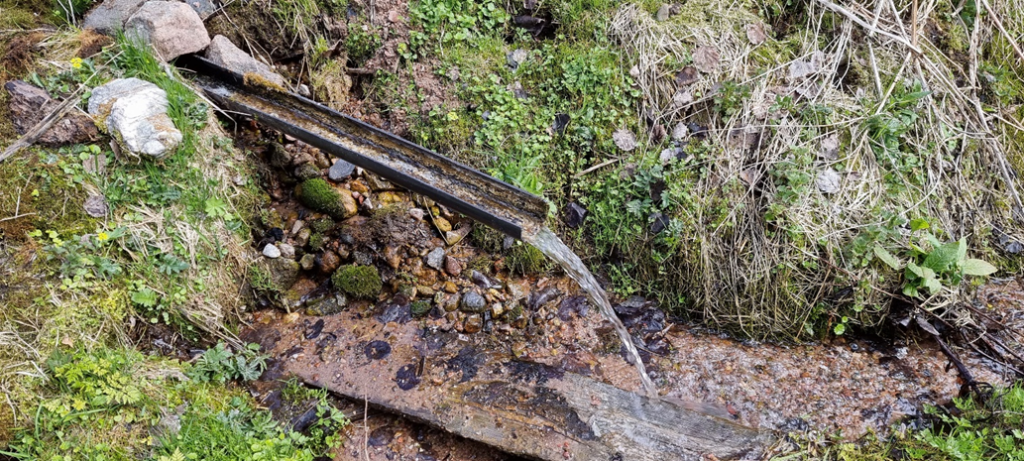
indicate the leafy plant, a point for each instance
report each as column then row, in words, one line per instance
column 82, row 257
column 456, row 20
column 219, row 364
column 729, row 98
column 932, row 264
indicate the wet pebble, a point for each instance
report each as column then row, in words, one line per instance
column 313, row 331
column 406, row 377
column 376, row 350
column 340, row 170
column 435, row 258
column 442, row 224
column 473, row 302
column 307, row 262
column 328, row 262
column 452, row 266
column 287, row 251
column 303, row 236
column 474, row 323
column 271, row 251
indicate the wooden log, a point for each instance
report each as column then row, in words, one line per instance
column 468, row 387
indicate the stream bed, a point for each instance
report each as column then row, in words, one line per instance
column 439, row 364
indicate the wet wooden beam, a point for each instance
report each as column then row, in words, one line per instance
column 467, row 388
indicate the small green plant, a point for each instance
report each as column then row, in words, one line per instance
column 324, row 432
column 317, row 194
column 729, row 98
column 931, row 264
column 362, row 42
column 524, row 258
column 220, row 365
column 358, row 281
column 322, row 225
column 83, row 257
column 453, row 21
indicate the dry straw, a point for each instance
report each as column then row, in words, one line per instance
column 767, row 277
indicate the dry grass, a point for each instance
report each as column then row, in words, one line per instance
column 781, row 253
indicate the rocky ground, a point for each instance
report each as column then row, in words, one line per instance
column 318, row 261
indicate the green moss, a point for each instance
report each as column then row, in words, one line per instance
column 318, row 195
column 482, row 264
column 358, row 281
column 524, row 259
column 316, row 241
column 322, row 225
column 420, row 308
column 487, row 239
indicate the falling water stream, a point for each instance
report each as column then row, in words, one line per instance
column 553, row 247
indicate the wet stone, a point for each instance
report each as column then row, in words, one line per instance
column 313, row 331
column 287, row 251
column 328, row 262
column 327, row 305
column 452, row 266
column 307, row 262
column 399, row 313
column 474, row 323
column 436, row 258
column 271, row 251
column 473, row 302
column 376, row 350
column 307, row 171
column 340, row 170
column 406, row 377
column 380, row 436
column 443, row 225
column 574, row 215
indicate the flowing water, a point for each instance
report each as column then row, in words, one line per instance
column 553, row 247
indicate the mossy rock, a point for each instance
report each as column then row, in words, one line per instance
column 358, row 281
column 318, row 195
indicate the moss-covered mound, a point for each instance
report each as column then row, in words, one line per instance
column 358, row 281
column 318, row 194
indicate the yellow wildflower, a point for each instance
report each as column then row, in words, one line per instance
column 76, row 63
column 103, row 237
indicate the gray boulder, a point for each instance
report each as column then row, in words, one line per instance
column 109, row 16
column 171, row 28
column 224, row 53
column 135, row 113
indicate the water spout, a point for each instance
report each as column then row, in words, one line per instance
column 553, row 247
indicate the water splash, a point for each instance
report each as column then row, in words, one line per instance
column 553, row 247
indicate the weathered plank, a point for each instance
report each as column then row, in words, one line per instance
column 525, row 408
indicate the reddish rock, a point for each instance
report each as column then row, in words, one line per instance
column 393, row 257
column 328, row 262
column 29, row 104
column 452, row 266
column 171, row 28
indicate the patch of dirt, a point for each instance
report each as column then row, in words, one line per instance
column 254, row 28
column 431, row 91
column 91, row 43
column 20, row 55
